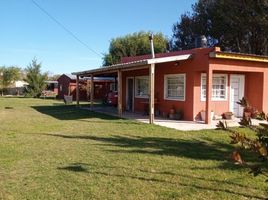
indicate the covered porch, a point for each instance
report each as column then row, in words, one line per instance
column 118, row 71
column 174, row 124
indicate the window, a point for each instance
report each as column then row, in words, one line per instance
column 175, row 87
column 219, row 87
column 142, row 86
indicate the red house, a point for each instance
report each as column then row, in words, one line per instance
column 201, row 79
column 67, row 86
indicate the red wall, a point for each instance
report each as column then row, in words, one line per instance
column 256, row 83
column 63, row 82
column 254, row 88
column 101, row 88
column 188, row 67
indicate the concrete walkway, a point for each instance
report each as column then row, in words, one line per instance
column 176, row 124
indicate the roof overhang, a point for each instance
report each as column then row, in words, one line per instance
column 239, row 56
column 133, row 65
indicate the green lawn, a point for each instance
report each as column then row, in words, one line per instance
column 52, row 151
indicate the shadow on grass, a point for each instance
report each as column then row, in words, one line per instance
column 70, row 112
column 190, row 183
column 74, row 168
column 194, row 149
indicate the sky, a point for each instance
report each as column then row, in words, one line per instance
column 27, row 32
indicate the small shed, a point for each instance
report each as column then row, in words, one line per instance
column 102, row 85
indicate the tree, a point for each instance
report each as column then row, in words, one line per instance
column 53, row 77
column 257, row 145
column 240, row 26
column 133, row 45
column 35, row 78
column 8, row 75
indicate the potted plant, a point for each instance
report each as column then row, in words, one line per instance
column 179, row 115
column 227, row 115
column 172, row 112
column 203, row 115
column 212, row 114
column 247, row 112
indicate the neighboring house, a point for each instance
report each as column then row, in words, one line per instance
column 20, row 83
column 184, row 79
column 51, row 89
column 67, row 86
column 16, row 88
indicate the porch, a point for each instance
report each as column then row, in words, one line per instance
column 174, row 124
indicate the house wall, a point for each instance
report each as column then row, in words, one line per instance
column 255, row 85
column 138, row 106
column 163, row 105
column 265, row 91
column 256, row 82
column 63, row 85
column 219, row 106
column 253, row 89
column 188, row 67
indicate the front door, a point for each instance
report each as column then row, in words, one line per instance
column 130, row 94
column 237, row 87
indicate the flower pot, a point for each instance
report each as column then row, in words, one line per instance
column 227, row 115
column 172, row 111
column 212, row 115
column 165, row 115
column 203, row 115
column 247, row 115
column 172, row 116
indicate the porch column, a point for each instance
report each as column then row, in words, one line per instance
column 91, row 91
column 119, row 91
column 208, row 96
column 151, row 91
column 77, row 90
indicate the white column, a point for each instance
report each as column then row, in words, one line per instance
column 91, row 91
column 77, row 90
column 119, row 90
column 151, row 92
column 208, row 96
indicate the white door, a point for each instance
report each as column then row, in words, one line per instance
column 237, row 87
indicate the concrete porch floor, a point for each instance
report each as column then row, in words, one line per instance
column 175, row 124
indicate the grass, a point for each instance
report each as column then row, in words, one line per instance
column 52, row 151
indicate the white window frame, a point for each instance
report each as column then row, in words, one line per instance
column 136, row 87
column 165, row 87
column 214, row 99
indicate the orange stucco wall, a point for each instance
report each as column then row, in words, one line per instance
column 256, row 79
column 256, row 83
column 200, row 61
column 254, row 88
column 164, row 105
column 218, row 107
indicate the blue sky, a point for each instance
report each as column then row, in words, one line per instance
column 26, row 32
